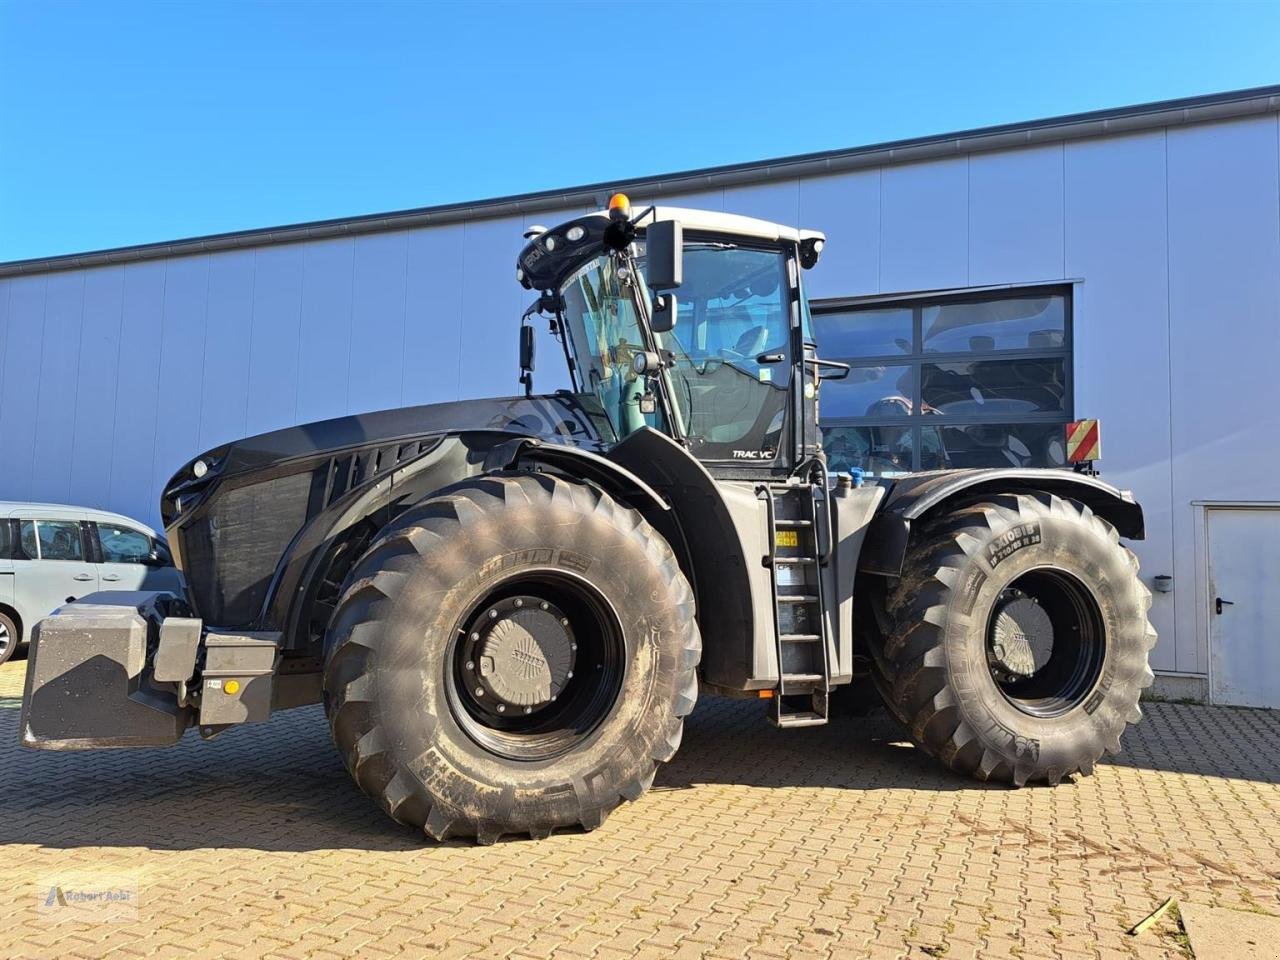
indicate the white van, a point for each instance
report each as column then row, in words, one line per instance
column 52, row 554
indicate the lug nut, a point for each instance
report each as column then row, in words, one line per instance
column 475, row 636
column 569, row 675
column 528, row 709
column 493, row 614
column 545, row 604
column 479, row 691
column 502, row 708
column 470, row 665
column 519, row 603
column 564, row 622
column 573, row 646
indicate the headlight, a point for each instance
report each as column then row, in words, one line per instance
column 574, row 234
column 550, row 244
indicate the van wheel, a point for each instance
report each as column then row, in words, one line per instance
column 9, row 637
column 516, row 655
column 1019, row 641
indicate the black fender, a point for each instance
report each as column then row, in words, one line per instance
column 915, row 497
column 701, row 529
column 574, row 462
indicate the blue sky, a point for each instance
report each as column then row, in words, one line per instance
column 127, row 123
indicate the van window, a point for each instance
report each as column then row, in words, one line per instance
column 6, row 540
column 52, row 540
column 123, row 545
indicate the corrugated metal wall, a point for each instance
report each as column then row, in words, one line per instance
column 113, row 376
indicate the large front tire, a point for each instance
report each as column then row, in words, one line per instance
column 514, row 656
column 1019, row 639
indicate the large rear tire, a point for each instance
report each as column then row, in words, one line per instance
column 514, row 656
column 1019, row 639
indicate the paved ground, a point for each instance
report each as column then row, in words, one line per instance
column 839, row 841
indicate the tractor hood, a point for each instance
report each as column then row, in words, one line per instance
column 234, row 513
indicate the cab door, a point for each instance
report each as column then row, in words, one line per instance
column 53, row 566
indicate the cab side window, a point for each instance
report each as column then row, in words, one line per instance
column 52, row 540
column 123, row 545
column 6, row 539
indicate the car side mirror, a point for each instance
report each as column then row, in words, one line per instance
column 527, row 350
column 665, row 309
column 664, row 255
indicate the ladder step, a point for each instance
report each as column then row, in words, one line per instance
column 796, row 598
column 794, row 561
column 806, row 719
column 801, row 637
column 801, row 678
column 793, row 523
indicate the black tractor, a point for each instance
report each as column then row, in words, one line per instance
column 508, row 607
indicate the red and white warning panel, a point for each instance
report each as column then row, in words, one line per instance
column 1084, row 441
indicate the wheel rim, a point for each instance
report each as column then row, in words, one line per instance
column 6, row 639
column 1046, row 643
column 535, row 666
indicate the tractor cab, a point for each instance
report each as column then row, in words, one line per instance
column 689, row 322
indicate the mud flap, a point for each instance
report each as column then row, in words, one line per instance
column 87, row 681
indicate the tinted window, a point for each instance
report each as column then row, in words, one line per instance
column 6, row 540
column 980, row 326
column 123, row 545
column 52, row 539
column 865, row 333
column 936, row 383
column 873, row 392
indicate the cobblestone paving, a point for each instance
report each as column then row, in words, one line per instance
column 839, row 841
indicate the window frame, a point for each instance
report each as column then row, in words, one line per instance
column 918, row 358
column 87, row 547
column 100, row 553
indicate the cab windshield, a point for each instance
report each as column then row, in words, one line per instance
column 604, row 334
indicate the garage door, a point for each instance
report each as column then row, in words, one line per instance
column 1244, row 606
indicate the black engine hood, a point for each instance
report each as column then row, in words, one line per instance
column 575, row 419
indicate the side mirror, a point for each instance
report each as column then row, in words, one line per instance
column 664, row 313
column 664, row 255
column 527, row 349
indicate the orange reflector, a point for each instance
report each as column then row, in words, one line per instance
column 765, row 694
column 786, row 538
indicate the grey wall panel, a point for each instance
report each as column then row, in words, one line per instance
column 18, row 405
column 1224, row 313
column 325, row 329
column 1015, row 216
column 275, row 339
column 5, row 287
column 924, row 226
column 59, row 381
column 133, row 470
column 847, row 209
column 433, row 316
column 375, row 370
column 182, row 343
column 491, row 303
column 779, row 202
column 224, row 401
column 1116, row 233
column 91, row 450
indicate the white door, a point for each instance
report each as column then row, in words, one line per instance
column 1244, row 606
column 55, row 569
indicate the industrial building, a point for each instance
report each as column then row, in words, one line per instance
column 987, row 286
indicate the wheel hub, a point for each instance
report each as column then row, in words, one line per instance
column 521, row 652
column 1021, row 637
